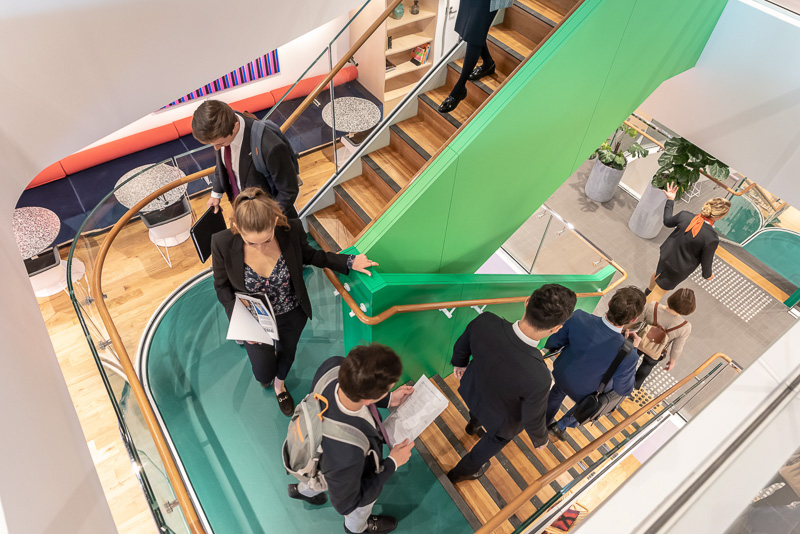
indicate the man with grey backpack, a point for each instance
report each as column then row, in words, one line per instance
column 336, row 436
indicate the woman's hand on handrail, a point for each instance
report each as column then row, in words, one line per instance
column 362, row 263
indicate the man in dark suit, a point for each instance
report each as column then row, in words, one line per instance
column 588, row 346
column 215, row 123
column 355, row 480
column 506, row 382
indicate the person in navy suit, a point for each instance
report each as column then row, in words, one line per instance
column 588, row 345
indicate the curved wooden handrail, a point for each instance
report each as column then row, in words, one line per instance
column 704, row 173
column 342, row 62
column 528, row 493
column 431, row 306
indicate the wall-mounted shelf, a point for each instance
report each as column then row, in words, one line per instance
column 408, row 42
column 405, row 68
column 408, row 18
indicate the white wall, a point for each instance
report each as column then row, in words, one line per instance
column 741, row 102
column 74, row 71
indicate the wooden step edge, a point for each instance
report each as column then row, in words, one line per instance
column 505, row 48
column 599, row 424
column 532, row 12
column 321, row 235
column 428, row 111
column 428, row 101
column 479, row 84
column 379, row 178
column 407, row 139
column 516, row 476
column 351, row 207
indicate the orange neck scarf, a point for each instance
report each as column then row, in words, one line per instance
column 697, row 224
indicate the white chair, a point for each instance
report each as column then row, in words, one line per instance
column 170, row 226
column 46, row 272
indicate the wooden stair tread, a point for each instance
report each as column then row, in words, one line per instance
column 332, row 229
column 513, row 40
column 492, row 81
column 421, row 132
column 316, row 168
column 550, row 9
column 388, row 159
column 366, row 195
column 462, row 113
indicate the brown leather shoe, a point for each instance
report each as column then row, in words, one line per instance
column 286, row 403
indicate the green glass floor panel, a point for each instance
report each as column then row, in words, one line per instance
column 228, row 430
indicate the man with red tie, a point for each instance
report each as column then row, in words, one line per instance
column 216, row 123
column 355, row 480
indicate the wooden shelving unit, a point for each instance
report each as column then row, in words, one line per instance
column 407, row 33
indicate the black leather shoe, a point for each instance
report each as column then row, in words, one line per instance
column 286, row 403
column 557, row 431
column 450, row 103
column 377, row 524
column 481, row 71
column 472, row 427
column 318, row 499
column 474, row 476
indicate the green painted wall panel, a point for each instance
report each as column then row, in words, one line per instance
column 580, row 85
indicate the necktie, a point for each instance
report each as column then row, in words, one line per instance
column 226, row 154
column 375, row 415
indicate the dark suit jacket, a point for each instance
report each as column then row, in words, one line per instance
column 681, row 252
column 227, row 262
column 589, row 348
column 282, row 183
column 352, row 478
column 506, row 383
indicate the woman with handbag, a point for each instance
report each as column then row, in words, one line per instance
column 264, row 252
column 667, row 321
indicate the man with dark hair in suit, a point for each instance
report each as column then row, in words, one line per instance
column 506, row 382
column 216, row 123
column 588, row 346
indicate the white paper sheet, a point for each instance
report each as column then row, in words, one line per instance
column 418, row 411
column 245, row 327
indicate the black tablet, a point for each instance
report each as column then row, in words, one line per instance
column 207, row 225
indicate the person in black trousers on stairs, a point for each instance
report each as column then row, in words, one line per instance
column 474, row 19
column 506, row 383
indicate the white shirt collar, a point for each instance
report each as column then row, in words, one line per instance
column 525, row 339
column 611, row 326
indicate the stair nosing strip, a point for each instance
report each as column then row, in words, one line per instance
column 603, row 430
column 318, row 226
column 532, row 12
column 409, row 141
column 351, row 202
column 515, row 475
column 482, row 86
column 586, row 434
column 635, row 425
column 522, row 446
column 484, row 481
column 624, row 432
column 451, row 490
column 381, row 173
column 447, row 116
column 505, row 48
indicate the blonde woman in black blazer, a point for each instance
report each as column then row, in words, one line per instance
column 265, row 252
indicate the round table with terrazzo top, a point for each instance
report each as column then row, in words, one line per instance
column 352, row 114
column 144, row 183
column 35, row 230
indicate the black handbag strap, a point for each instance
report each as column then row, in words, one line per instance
column 624, row 350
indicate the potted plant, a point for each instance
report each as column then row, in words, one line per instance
column 681, row 164
column 610, row 165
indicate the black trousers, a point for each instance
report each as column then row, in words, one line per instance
column 270, row 361
column 473, row 53
column 482, row 452
column 644, row 369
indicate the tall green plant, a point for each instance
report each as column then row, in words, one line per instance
column 681, row 163
column 609, row 153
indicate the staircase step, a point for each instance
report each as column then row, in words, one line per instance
column 504, row 57
column 379, row 178
column 487, row 84
column 526, row 24
column 429, row 112
column 399, row 166
column 361, row 199
column 316, row 168
column 458, row 116
column 512, row 41
column 416, row 134
column 332, row 229
column 552, row 11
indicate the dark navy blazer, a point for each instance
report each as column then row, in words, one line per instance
column 589, row 348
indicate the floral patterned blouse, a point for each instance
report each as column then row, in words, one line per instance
column 278, row 287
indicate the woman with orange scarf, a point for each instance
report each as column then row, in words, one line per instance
column 692, row 243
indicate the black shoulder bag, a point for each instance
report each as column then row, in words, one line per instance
column 593, row 406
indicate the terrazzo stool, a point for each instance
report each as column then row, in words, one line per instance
column 352, row 115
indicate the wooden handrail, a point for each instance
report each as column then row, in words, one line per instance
column 150, row 420
column 528, row 493
column 704, row 173
column 342, row 62
column 430, row 306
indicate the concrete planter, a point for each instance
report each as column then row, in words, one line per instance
column 648, row 217
column 602, row 182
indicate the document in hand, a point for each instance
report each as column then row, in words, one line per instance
column 253, row 319
column 416, row 413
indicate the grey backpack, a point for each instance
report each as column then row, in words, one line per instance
column 303, row 445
